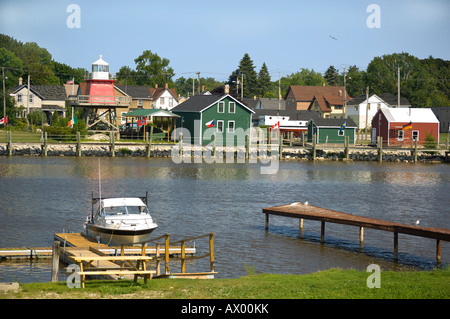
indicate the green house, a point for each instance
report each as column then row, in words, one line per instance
column 332, row 131
column 206, row 116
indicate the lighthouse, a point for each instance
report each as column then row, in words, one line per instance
column 97, row 97
column 100, row 87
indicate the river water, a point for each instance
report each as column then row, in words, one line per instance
column 42, row 196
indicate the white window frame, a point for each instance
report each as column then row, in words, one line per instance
column 223, row 107
column 161, row 100
column 231, row 130
column 30, row 98
column 19, row 98
column 229, row 107
column 400, row 135
column 219, row 126
column 415, row 133
column 140, row 102
column 341, row 132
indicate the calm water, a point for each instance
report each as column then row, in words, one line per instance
column 41, row 196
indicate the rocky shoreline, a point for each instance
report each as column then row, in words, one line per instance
column 166, row 150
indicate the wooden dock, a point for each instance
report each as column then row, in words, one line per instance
column 305, row 211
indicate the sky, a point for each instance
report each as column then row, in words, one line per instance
column 211, row 37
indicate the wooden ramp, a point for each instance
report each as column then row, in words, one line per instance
column 305, row 211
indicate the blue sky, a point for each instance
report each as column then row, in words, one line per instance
column 212, row 36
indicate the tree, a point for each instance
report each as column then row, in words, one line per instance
column 245, row 71
column 332, row 76
column 151, row 69
column 264, row 83
column 126, row 76
column 356, row 82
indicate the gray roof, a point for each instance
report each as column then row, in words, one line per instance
column 302, row 115
column 136, row 91
column 198, row 103
column 389, row 98
column 45, row 92
column 321, row 122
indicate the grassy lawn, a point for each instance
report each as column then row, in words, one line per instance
column 330, row 284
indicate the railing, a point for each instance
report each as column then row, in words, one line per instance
column 99, row 100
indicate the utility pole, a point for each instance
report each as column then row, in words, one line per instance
column 28, row 101
column 193, row 86
column 242, row 86
column 344, row 102
column 398, row 86
column 279, row 90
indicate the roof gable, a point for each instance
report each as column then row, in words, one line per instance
column 200, row 103
column 333, row 94
column 406, row 115
column 45, row 92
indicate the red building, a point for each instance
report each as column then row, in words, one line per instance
column 401, row 126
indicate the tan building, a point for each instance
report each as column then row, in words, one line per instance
column 327, row 100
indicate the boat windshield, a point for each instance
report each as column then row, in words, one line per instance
column 124, row 210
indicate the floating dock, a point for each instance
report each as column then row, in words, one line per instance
column 305, row 211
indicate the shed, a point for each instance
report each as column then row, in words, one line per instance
column 332, row 131
column 401, row 126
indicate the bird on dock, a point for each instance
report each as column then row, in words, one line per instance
column 417, row 222
column 306, row 203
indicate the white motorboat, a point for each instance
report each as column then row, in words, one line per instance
column 118, row 221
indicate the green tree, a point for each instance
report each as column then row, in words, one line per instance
column 332, row 76
column 264, row 82
column 356, row 81
column 151, row 69
column 245, row 71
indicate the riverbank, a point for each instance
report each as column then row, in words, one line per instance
column 168, row 150
column 334, row 283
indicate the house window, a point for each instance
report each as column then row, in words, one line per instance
column 19, row 98
column 231, row 107
column 170, row 102
column 415, row 135
column 219, row 126
column 139, row 102
column 30, row 98
column 400, row 135
column 162, row 101
column 230, row 126
column 221, row 107
column 341, row 132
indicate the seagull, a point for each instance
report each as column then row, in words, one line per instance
column 333, row 37
column 417, row 222
column 306, row 203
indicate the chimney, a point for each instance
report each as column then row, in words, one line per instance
column 20, row 81
column 156, row 85
column 254, row 97
column 203, row 88
column 167, row 85
column 323, row 84
column 340, row 92
column 227, row 89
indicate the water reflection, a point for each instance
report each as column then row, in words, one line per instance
column 45, row 195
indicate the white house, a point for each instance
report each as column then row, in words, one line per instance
column 357, row 108
column 163, row 98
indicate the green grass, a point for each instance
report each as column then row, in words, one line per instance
column 330, row 284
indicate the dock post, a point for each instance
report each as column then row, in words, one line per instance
column 149, row 145
column 78, row 144
column 158, row 259
column 380, row 149
column 112, row 147
column 438, row 251
column 247, row 145
column 55, row 260
column 45, row 146
column 301, row 224
column 280, row 146
column 267, row 221
column 183, row 257
column 322, row 232
column 395, row 245
column 180, row 144
column 9, row 141
column 211, row 252
column 415, row 150
column 314, row 147
column 347, row 151
column 361, row 236
column 214, row 145
column 166, row 252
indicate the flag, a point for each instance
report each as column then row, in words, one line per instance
column 71, row 81
column 407, row 126
column 210, row 123
column 141, row 122
column 276, row 125
column 74, row 121
column 343, row 126
column 4, row 120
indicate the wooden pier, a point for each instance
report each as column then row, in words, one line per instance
column 305, row 211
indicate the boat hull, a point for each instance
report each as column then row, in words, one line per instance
column 114, row 237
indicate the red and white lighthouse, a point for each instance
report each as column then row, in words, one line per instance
column 99, row 86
